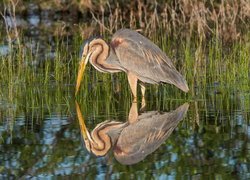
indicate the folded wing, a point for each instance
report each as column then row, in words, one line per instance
column 140, row 56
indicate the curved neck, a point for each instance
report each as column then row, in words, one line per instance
column 101, row 51
column 100, row 140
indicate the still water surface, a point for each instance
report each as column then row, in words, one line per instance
column 171, row 139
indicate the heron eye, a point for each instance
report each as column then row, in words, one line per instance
column 83, row 56
column 93, row 48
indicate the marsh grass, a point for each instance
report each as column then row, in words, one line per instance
column 201, row 63
column 227, row 20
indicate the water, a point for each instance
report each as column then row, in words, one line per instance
column 42, row 134
column 211, row 140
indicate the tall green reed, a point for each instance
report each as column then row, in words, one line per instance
column 28, row 78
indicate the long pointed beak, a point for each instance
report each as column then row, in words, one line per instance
column 81, row 70
column 84, row 131
column 81, row 122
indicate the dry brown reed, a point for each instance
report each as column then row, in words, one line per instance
column 228, row 20
column 12, row 33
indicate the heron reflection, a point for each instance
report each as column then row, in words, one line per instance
column 133, row 140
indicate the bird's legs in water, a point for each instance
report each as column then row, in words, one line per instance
column 132, row 80
column 143, row 89
column 133, row 113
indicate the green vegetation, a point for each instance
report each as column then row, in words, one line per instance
column 202, row 64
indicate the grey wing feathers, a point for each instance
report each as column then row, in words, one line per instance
column 159, row 126
column 147, row 134
column 142, row 57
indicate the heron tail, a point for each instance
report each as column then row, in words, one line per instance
column 172, row 76
column 181, row 83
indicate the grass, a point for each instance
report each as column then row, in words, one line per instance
column 205, row 66
column 202, row 64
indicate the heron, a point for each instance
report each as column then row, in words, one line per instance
column 132, row 53
column 133, row 140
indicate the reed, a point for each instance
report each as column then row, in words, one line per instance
column 227, row 20
column 201, row 64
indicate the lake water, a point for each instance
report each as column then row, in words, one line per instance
column 200, row 139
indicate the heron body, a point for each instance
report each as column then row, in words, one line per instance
column 133, row 140
column 133, row 54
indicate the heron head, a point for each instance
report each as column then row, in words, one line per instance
column 87, row 49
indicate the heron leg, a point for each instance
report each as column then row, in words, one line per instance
column 143, row 89
column 132, row 80
column 143, row 102
column 133, row 113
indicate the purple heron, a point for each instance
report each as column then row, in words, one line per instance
column 133, row 140
column 133, row 54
